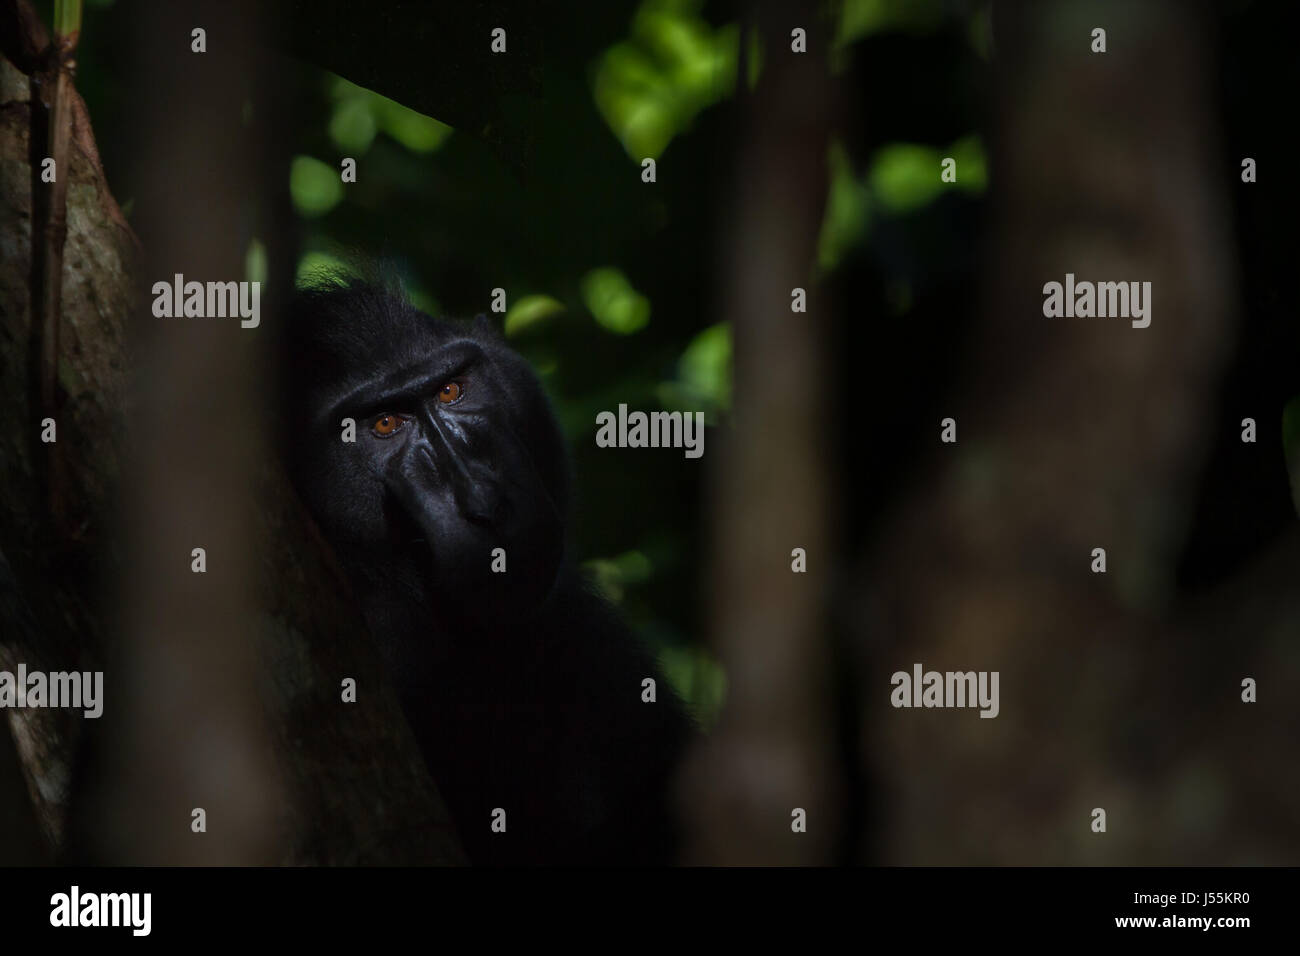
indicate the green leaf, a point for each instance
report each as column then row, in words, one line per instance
column 972, row 166
column 651, row 86
column 698, row 679
column 359, row 113
column 848, row 210
column 352, row 125
column 862, row 18
column 315, row 187
column 703, row 382
column 529, row 311
column 314, row 266
column 706, row 365
column 613, row 302
column 415, row 131
column 905, row 176
column 67, row 17
column 613, row 575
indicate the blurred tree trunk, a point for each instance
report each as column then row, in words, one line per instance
column 770, row 753
column 223, row 689
column 1075, row 434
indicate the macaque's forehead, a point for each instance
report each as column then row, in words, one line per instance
column 378, row 334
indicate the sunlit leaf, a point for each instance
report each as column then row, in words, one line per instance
column 612, row 301
column 703, row 382
column 635, row 101
column 415, row 131
column 67, row 17
column 905, row 176
column 315, row 187
column 706, row 364
column 862, row 18
column 613, row 575
column 315, row 266
column 650, row 87
column 972, row 167
column 529, row 311
column 698, row 679
column 352, row 125
column 359, row 112
column 848, row 210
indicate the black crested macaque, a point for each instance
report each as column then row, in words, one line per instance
column 523, row 688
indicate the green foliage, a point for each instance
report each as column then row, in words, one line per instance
column 613, row 575
column 612, row 301
column 848, row 210
column 903, row 178
column 315, row 187
column 691, row 671
column 703, row 380
column 67, row 17
column 358, row 114
column 314, row 266
column 860, row 19
column 352, row 125
column 972, row 167
column 530, row 311
column 863, row 18
column 650, row 87
column 448, row 216
column 698, row 679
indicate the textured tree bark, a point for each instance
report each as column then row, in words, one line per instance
column 52, row 562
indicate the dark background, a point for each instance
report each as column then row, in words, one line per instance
column 524, row 173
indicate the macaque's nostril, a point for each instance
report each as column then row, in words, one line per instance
column 480, row 507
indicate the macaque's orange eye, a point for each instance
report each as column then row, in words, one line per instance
column 449, row 393
column 386, row 424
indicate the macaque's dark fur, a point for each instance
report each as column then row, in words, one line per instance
column 523, row 689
